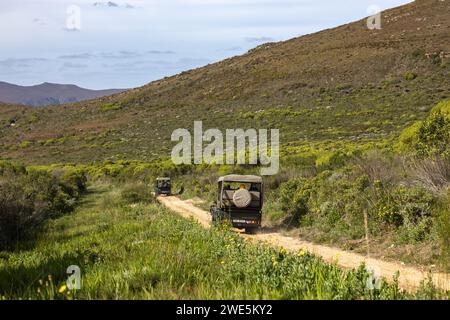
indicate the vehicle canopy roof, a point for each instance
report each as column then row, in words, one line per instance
column 163, row 179
column 241, row 178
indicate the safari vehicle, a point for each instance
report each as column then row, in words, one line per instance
column 239, row 201
column 163, row 186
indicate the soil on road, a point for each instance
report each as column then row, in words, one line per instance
column 410, row 278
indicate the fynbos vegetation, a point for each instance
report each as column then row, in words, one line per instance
column 364, row 149
column 28, row 198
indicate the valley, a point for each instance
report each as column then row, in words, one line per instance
column 363, row 177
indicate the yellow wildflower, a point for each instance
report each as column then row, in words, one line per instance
column 337, row 256
column 62, row 289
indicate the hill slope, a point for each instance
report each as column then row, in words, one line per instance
column 347, row 83
column 48, row 93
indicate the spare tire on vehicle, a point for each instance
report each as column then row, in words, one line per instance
column 242, row 198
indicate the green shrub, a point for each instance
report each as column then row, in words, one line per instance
column 410, row 76
column 434, row 133
column 442, row 108
column 431, row 136
column 135, row 193
column 419, row 53
column 293, row 199
column 414, row 232
column 48, row 190
column 73, row 181
column 27, row 199
column 25, row 144
column 409, row 137
column 405, row 206
column 7, row 167
column 331, row 159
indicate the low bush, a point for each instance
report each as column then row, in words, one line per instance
column 404, row 203
column 430, row 137
column 110, row 107
column 330, row 202
column 410, row 76
column 136, row 193
column 434, row 135
column 329, row 160
column 293, row 199
column 73, row 181
column 30, row 197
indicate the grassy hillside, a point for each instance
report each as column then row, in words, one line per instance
column 343, row 84
column 111, row 237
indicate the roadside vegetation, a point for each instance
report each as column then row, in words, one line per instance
column 129, row 247
column 389, row 198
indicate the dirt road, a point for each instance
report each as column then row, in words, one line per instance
column 410, row 277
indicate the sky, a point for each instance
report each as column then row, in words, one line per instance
column 122, row 44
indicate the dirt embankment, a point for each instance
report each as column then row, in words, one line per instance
column 410, row 277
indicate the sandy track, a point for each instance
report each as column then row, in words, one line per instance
column 410, row 278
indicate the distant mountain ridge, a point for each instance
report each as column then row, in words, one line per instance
column 49, row 93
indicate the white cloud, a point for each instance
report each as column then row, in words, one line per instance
column 182, row 33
